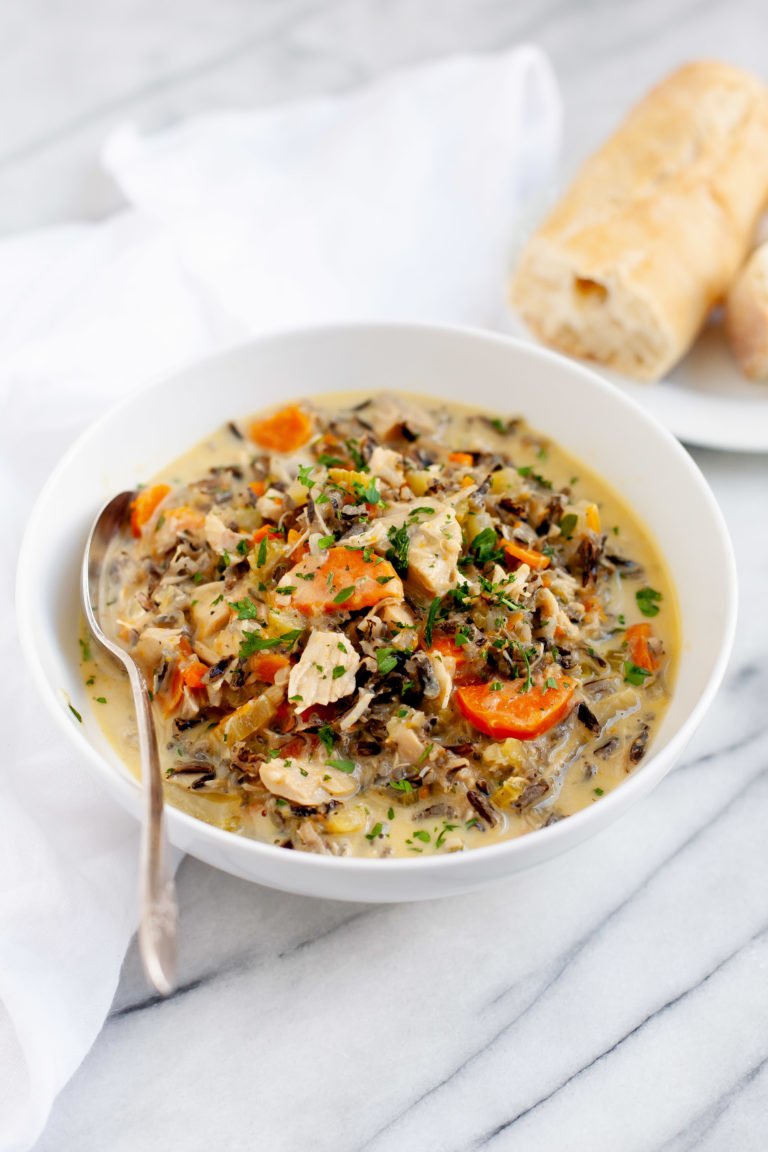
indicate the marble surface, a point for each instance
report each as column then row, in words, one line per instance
column 615, row 999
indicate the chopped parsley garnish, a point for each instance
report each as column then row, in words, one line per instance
column 567, row 524
column 384, row 579
column 633, row 674
column 326, row 737
column 367, row 493
column 85, row 650
column 390, row 813
column 243, row 547
column 253, row 643
column 344, row 595
column 338, row 672
column 326, row 542
column 261, row 555
column 353, row 448
column 377, row 830
column 647, row 601
column 91, row 680
column 246, row 609
column 461, row 638
column 218, row 600
column 75, row 713
column 422, row 835
column 347, row 766
column 401, row 785
column 434, row 608
column 598, row 791
column 197, row 578
column 100, row 699
column 386, row 660
column 398, row 553
column 304, row 476
column 484, row 547
column 330, row 461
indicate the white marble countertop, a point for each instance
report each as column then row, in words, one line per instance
column 615, row 999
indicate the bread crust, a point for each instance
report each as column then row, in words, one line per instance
column 653, row 229
column 746, row 316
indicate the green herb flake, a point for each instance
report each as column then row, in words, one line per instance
column 344, row 595
column 484, row 547
column 422, row 835
column 434, row 608
column 398, row 553
column 347, row 766
column 567, row 524
column 91, row 680
column 197, row 578
column 338, row 671
column 329, row 461
column 100, row 699
column 246, row 609
column 261, row 555
column 325, row 733
column 598, row 791
column 85, row 650
column 390, row 813
column 75, row 713
column 647, row 601
column 326, row 542
column 635, row 675
column 253, row 643
column 386, row 660
column 377, row 830
column 304, row 476
column 401, row 785
column 243, row 547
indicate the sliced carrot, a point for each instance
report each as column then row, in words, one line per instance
column 144, row 505
column 640, row 652
column 284, row 431
column 342, row 580
column 192, row 670
column 258, row 487
column 525, row 555
column 509, row 711
column 266, row 530
column 464, row 458
column 266, row 665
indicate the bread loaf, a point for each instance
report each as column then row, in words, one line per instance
column 746, row 316
column 654, row 228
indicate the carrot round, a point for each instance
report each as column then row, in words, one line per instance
column 343, row 580
column 464, row 458
column 509, row 711
column 525, row 555
column 144, row 505
column 640, row 652
column 284, row 431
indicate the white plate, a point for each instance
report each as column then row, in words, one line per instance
column 570, row 404
column 705, row 401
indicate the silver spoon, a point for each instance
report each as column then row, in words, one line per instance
column 157, row 891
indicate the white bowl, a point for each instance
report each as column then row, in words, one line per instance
column 571, row 405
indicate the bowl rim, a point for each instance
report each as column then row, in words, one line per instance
column 611, row 806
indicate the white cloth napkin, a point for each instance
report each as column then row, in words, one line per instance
column 401, row 200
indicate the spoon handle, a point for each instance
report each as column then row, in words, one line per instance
column 158, row 906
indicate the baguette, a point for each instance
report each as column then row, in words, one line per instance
column 746, row 316
column 655, row 226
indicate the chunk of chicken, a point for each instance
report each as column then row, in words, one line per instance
column 444, row 668
column 434, row 541
column 405, row 735
column 303, row 781
column 325, row 672
column 388, row 412
column 387, row 465
column 271, row 504
column 219, row 537
column 210, row 611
